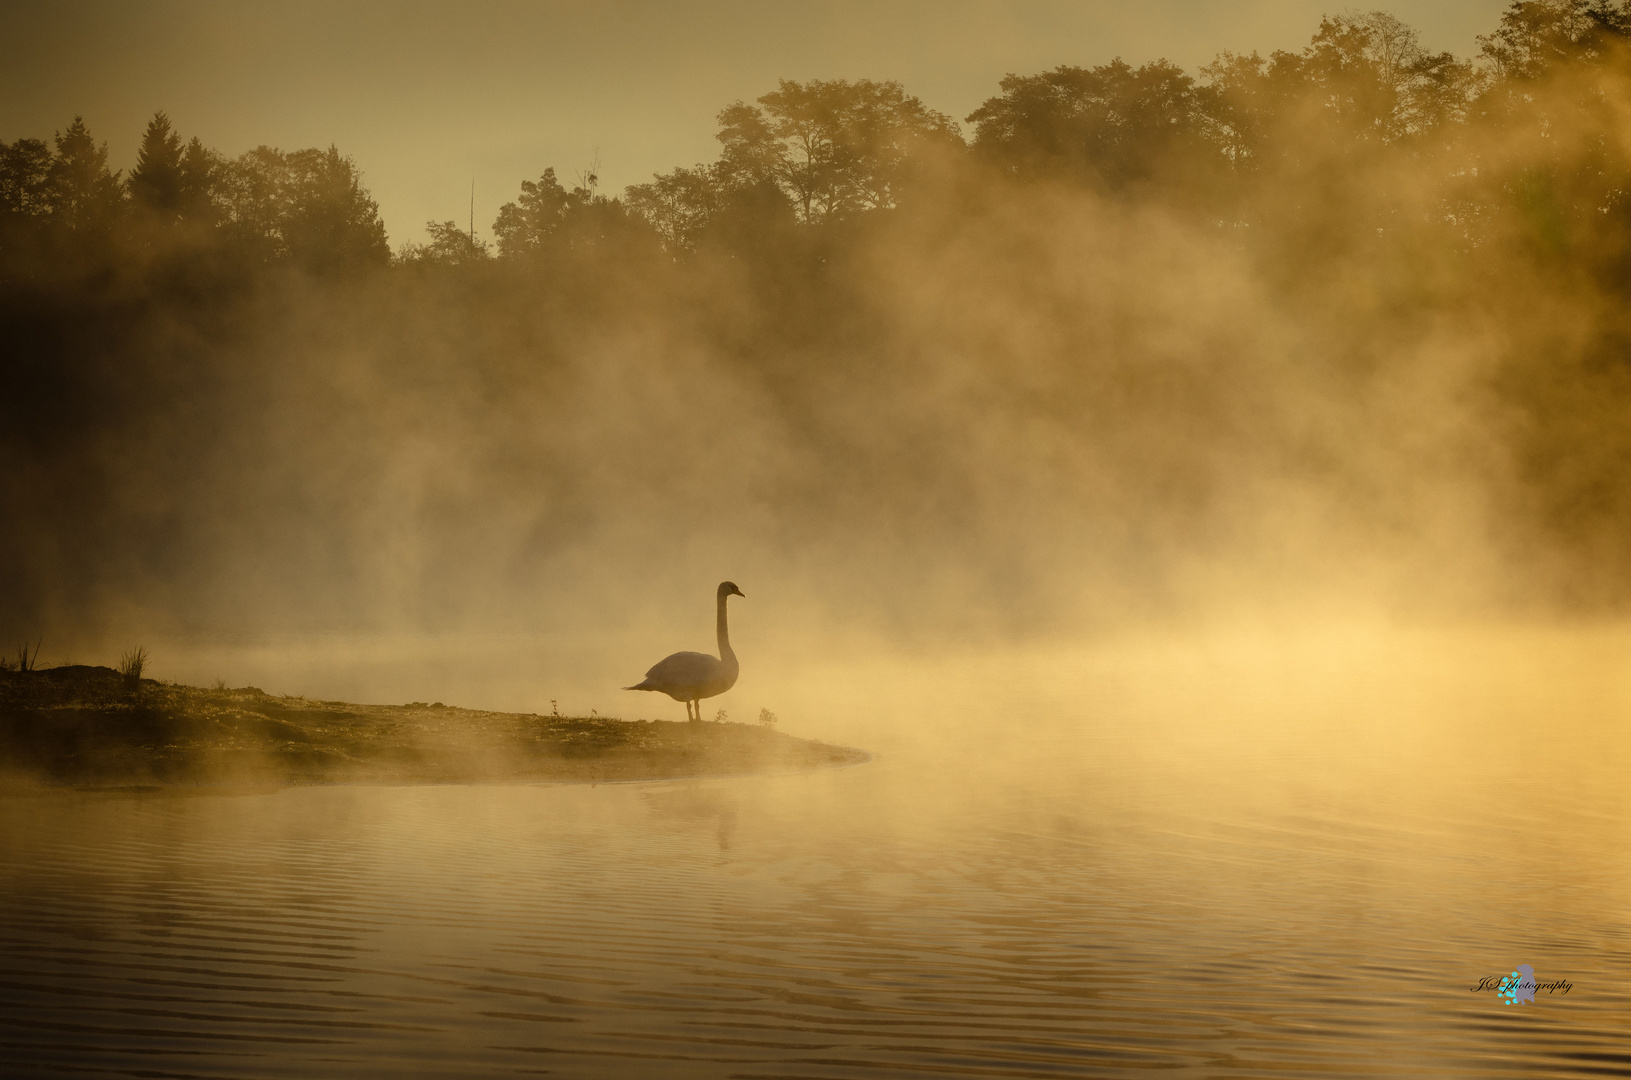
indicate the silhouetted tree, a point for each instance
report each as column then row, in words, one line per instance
column 1251, row 96
column 547, row 214
column 1535, row 36
column 1550, row 171
column 331, row 222
column 1364, row 79
column 811, row 152
column 250, row 192
column 842, row 147
column 199, row 169
column 84, row 195
column 679, row 205
column 751, row 154
column 25, row 204
column 1558, row 43
column 523, row 226
column 25, row 174
column 156, row 182
column 450, row 245
column 738, row 194
column 1114, row 124
column 1371, row 74
column 308, row 206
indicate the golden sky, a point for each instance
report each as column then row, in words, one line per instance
column 430, row 96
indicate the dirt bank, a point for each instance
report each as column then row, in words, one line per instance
column 90, row 727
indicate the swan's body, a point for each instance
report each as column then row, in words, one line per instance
column 692, row 676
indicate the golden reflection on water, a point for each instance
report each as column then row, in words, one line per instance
column 1242, row 854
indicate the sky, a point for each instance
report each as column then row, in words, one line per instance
column 431, row 99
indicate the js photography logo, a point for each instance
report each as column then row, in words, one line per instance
column 1519, row 985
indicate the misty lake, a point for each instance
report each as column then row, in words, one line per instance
column 1222, row 859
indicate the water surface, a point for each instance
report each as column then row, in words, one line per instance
column 1287, row 858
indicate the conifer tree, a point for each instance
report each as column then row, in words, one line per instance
column 84, row 194
column 156, row 181
column 199, row 169
column 25, row 170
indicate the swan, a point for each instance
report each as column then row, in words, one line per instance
column 692, row 676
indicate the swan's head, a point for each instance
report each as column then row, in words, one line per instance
column 728, row 588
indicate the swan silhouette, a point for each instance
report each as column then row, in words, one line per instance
column 692, row 676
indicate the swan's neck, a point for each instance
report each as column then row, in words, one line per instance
column 725, row 652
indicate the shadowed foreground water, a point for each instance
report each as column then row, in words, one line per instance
column 1122, row 884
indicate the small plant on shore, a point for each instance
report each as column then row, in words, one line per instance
column 767, row 718
column 721, row 717
column 27, row 661
column 132, row 664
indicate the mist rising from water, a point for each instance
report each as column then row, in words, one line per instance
column 1364, row 375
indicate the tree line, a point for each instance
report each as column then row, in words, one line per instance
column 1225, row 143
column 1115, row 318
column 61, row 199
